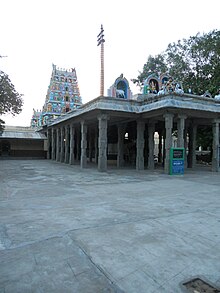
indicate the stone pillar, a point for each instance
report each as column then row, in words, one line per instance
column 72, row 144
column 102, row 143
column 90, row 144
column 186, row 150
column 140, row 145
column 78, row 144
column 215, row 146
column 83, row 159
column 180, row 130
column 121, row 137
column 53, row 155
column 62, row 145
column 151, row 130
column 192, row 146
column 58, row 145
column 48, row 144
column 168, row 141
column 96, row 146
column 67, row 144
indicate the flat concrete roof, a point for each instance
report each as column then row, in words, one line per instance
column 66, row 229
column 19, row 132
column 192, row 105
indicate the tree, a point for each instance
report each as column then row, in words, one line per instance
column 195, row 62
column 10, row 99
column 154, row 65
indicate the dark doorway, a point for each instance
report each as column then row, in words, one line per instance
column 5, row 148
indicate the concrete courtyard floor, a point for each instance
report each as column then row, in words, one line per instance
column 63, row 229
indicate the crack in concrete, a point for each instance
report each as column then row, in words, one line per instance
column 61, row 234
column 98, row 267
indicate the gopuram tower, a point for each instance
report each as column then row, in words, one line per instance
column 63, row 95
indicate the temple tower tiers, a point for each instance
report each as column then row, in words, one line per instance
column 63, row 95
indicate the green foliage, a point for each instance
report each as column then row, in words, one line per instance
column 195, row 62
column 10, row 99
column 154, row 65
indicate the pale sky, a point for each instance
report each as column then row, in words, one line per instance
column 35, row 34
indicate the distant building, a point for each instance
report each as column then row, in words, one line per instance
column 22, row 142
column 63, row 95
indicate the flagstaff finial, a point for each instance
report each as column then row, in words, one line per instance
column 101, row 42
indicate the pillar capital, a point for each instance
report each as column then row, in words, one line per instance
column 83, row 122
column 141, row 120
column 103, row 117
column 168, row 115
column 182, row 116
column 215, row 121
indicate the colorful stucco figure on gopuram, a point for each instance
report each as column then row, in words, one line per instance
column 63, row 95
